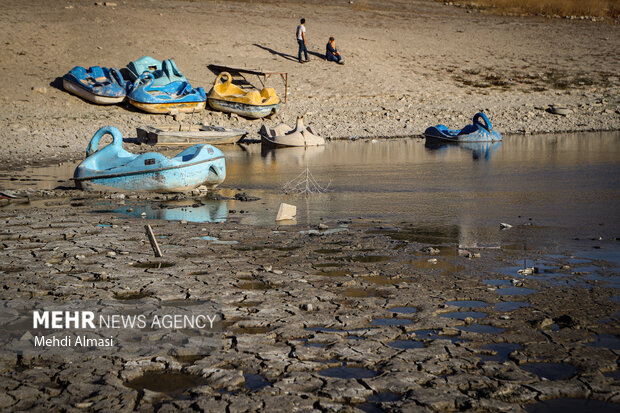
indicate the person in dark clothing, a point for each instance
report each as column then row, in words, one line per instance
column 300, row 34
column 331, row 53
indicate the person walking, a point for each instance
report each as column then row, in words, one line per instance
column 301, row 40
column 331, row 53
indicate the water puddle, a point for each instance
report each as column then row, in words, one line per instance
column 345, row 372
column 369, row 258
column 433, row 235
column 406, row 344
column 442, row 266
column 255, row 382
column 186, row 210
column 436, row 335
column 497, row 283
column 352, row 334
column 390, row 322
column 371, row 405
column 462, row 315
column 251, row 330
column 481, row 329
column 502, row 350
column 550, row 371
column 613, row 374
column 510, row 305
column 333, row 273
column 403, row 310
column 608, row 341
column 308, row 343
column 228, row 242
column 467, row 303
column 188, row 359
column 571, row 405
column 153, row 265
column 328, row 265
column 514, row 291
column 172, row 383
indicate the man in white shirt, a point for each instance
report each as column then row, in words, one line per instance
column 301, row 40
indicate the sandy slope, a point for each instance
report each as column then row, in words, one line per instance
column 409, row 64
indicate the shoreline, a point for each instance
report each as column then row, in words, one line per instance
column 409, row 65
column 7, row 165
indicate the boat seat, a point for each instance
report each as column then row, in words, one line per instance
column 97, row 73
column 468, row 129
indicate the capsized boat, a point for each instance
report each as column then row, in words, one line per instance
column 164, row 71
column 175, row 97
column 480, row 131
column 177, row 135
column 112, row 168
column 283, row 135
column 230, row 98
column 101, row 85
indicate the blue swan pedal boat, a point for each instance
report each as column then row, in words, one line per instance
column 164, row 71
column 112, row 168
column 174, row 97
column 480, row 131
column 101, row 85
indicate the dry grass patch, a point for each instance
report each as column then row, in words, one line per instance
column 598, row 8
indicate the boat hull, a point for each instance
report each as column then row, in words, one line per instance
column 289, row 142
column 78, row 90
column 112, row 168
column 171, row 136
column 480, row 130
column 172, row 107
column 244, row 109
column 182, row 179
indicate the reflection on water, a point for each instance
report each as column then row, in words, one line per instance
column 190, row 211
column 478, row 150
column 552, row 179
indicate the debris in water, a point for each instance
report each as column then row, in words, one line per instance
column 286, row 211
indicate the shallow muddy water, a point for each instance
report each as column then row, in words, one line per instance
column 560, row 180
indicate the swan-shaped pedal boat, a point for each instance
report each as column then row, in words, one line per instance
column 480, row 131
column 112, row 168
column 101, row 85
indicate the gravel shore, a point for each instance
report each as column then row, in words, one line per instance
column 409, row 65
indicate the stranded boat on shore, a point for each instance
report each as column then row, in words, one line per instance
column 174, row 97
column 163, row 71
column 230, row 98
column 112, row 168
column 174, row 135
column 283, row 135
column 101, row 85
column 480, row 131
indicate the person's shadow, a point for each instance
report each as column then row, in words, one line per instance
column 288, row 56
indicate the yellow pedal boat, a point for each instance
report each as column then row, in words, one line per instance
column 230, row 98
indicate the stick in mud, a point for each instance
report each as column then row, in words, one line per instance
column 153, row 241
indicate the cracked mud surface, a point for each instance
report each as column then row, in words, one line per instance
column 340, row 320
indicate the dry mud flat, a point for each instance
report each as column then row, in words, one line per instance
column 347, row 317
